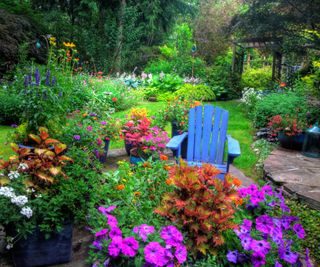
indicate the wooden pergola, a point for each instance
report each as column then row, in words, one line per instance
column 271, row 44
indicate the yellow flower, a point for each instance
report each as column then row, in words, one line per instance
column 53, row 41
column 130, row 173
column 67, row 44
column 136, row 194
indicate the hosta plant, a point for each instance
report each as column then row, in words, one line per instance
column 201, row 204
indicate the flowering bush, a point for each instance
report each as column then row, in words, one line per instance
column 250, row 97
column 114, row 246
column 177, row 111
column 271, row 235
column 146, row 140
column 201, row 204
column 290, row 125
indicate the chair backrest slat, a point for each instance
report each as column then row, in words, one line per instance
column 191, row 131
column 198, row 134
column 207, row 134
column 207, row 130
column 222, row 137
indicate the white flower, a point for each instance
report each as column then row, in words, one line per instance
column 9, row 246
column 13, row 175
column 19, row 200
column 26, row 211
column 7, row 192
column 23, row 166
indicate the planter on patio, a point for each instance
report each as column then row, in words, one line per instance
column 36, row 250
column 294, row 142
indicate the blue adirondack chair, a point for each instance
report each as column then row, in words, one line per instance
column 207, row 135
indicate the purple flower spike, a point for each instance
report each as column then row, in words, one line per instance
column 54, row 81
column 37, row 76
column 129, row 246
column 232, row 256
column 299, row 230
column 26, row 81
column 47, row 82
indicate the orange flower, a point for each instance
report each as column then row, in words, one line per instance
column 146, row 164
column 136, row 194
column 163, row 157
column 236, row 182
column 283, row 84
column 196, row 103
column 238, row 201
column 169, row 181
column 166, row 167
column 120, row 187
column 84, row 115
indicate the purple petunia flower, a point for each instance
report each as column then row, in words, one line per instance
column 264, row 224
column 171, row 235
column 287, row 255
column 284, row 207
column 112, row 221
column 257, row 197
column 77, row 137
column 181, row 253
column 105, row 211
column 143, row 231
column 243, row 192
column 97, row 244
column 261, row 246
column 232, row 256
column 115, row 246
column 106, row 262
column 287, row 220
column 103, row 123
column 278, row 264
column 129, row 246
column 267, row 189
column 115, row 231
column 258, row 259
column 102, row 233
column 299, row 230
column 154, row 253
column 307, row 259
column 92, row 114
column 246, row 242
column 276, row 235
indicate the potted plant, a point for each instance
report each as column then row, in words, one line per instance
column 35, row 207
column 146, row 141
column 289, row 130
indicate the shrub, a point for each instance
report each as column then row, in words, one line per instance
column 201, row 204
column 195, row 92
column 257, row 78
column 10, row 107
column 250, row 97
column 278, row 104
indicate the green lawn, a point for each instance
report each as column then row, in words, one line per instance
column 5, row 149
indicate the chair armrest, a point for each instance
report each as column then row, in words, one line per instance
column 176, row 141
column 233, row 150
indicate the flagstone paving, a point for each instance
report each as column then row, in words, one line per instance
column 299, row 175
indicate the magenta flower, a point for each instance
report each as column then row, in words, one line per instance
column 103, row 123
column 258, row 259
column 278, row 264
column 260, row 246
column 154, row 253
column 101, row 233
column 267, row 189
column 232, row 256
column 246, row 242
column 115, row 231
column 129, row 246
column 171, row 235
column 287, row 255
column 243, row 192
column 97, row 244
column 264, row 224
column 181, row 253
column 257, row 197
column 115, row 246
column 284, row 207
column 112, row 221
column 105, row 211
column 89, row 128
column 299, row 230
column 76, row 137
column 99, row 142
column 287, row 220
column 143, row 230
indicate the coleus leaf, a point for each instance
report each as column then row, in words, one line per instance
column 14, row 147
column 201, row 239
column 44, row 177
column 51, row 141
column 59, row 148
column 65, row 158
column 35, row 138
column 43, row 133
column 55, row 170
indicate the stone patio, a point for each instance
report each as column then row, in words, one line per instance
column 299, row 175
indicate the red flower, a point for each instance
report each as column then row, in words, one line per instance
column 114, row 99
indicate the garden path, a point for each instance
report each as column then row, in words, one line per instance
column 299, row 175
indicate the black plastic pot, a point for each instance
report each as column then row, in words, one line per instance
column 294, row 142
column 127, row 147
column 38, row 251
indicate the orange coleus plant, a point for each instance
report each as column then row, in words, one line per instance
column 42, row 163
column 201, row 204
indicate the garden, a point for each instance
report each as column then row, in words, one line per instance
column 134, row 133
